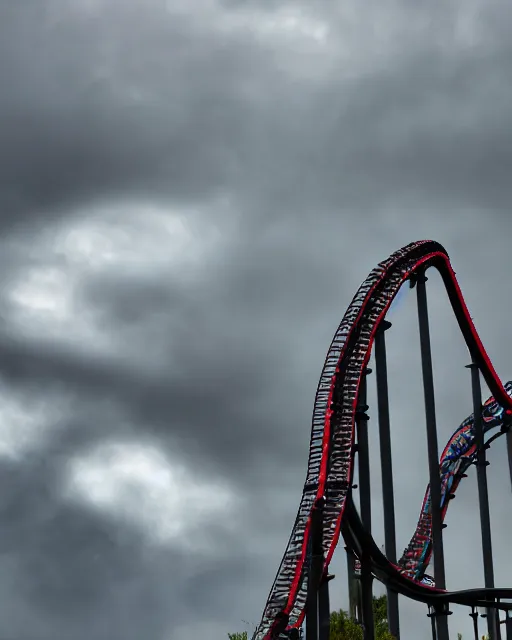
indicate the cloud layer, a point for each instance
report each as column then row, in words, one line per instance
column 190, row 194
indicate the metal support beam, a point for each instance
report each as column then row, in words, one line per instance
column 474, row 615
column 324, row 609
column 365, row 507
column 508, row 626
column 353, row 604
column 432, row 617
column 509, row 452
column 386, row 469
column 483, row 495
column 315, row 571
column 433, row 454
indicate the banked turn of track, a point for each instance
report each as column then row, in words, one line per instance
column 331, row 454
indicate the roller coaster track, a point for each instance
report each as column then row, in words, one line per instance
column 331, row 454
column 458, row 455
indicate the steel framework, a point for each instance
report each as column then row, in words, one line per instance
column 339, row 437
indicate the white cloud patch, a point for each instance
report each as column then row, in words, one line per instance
column 43, row 293
column 133, row 236
column 27, row 420
column 146, row 242
column 140, row 485
column 292, row 22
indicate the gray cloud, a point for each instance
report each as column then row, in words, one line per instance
column 297, row 149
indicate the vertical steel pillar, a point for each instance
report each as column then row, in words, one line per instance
column 474, row 615
column 365, row 507
column 324, row 608
column 508, row 625
column 431, row 614
column 315, row 570
column 386, row 469
column 483, row 494
column 509, row 452
column 433, row 454
column 352, row 587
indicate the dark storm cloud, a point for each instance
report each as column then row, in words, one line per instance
column 71, row 134
column 71, row 572
column 329, row 161
column 134, row 99
column 79, row 574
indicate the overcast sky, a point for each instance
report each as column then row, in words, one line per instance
column 191, row 192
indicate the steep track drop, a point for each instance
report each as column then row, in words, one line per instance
column 331, row 455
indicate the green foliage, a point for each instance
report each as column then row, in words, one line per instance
column 343, row 628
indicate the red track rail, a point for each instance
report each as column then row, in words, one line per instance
column 330, row 464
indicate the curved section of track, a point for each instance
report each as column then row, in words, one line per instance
column 330, row 464
column 458, row 455
column 358, row 541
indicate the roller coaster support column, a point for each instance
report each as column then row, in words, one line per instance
column 318, row 597
column 508, row 625
column 387, row 469
column 353, row 600
column 433, row 453
column 365, row 506
column 432, row 617
column 483, row 495
column 474, row 616
column 509, row 451
column 324, row 608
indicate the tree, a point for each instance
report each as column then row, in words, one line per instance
column 344, row 628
